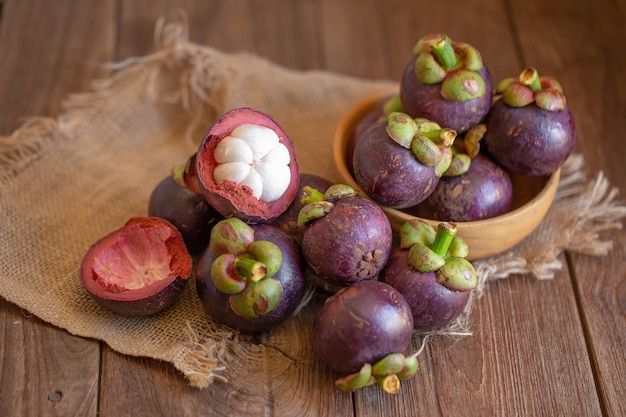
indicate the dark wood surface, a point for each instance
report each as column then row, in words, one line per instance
column 552, row 348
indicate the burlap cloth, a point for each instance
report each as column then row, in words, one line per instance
column 67, row 181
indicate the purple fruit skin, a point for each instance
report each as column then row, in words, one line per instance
column 289, row 219
column 388, row 173
column 529, row 140
column 334, row 245
column 290, row 275
column 192, row 215
column 362, row 324
column 425, row 100
column 433, row 305
column 483, row 192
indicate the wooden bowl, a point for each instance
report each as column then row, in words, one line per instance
column 532, row 196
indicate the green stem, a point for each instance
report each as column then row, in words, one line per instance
column 250, row 269
column 445, row 54
column 445, row 233
column 530, row 78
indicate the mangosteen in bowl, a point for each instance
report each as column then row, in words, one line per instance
column 139, row 269
column 532, row 195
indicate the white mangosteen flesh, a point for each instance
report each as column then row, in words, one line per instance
column 253, row 156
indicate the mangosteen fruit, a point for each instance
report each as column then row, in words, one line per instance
column 189, row 211
column 250, row 277
column 398, row 162
column 246, row 166
column 347, row 238
column 483, row 192
column 446, row 82
column 288, row 221
column 362, row 331
column 530, row 129
column 430, row 270
column 139, row 269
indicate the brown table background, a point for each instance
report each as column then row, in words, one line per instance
column 552, row 348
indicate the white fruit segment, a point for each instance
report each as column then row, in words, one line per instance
column 252, row 155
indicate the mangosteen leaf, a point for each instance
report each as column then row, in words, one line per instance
column 356, row 380
column 267, row 253
column 257, row 299
column 463, row 85
column 224, row 275
column 458, row 274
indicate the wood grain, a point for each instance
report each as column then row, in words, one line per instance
column 546, row 348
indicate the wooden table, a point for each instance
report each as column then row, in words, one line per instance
column 551, row 348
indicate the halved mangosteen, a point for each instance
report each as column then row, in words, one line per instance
column 247, row 167
column 139, row 269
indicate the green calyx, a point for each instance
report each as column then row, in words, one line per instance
column 530, row 88
column 244, row 268
column 386, row 373
column 453, row 64
column 186, row 175
column 440, row 251
column 317, row 204
column 428, row 141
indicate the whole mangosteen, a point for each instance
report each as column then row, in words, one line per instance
column 483, row 192
column 250, row 277
column 246, row 166
column 139, row 269
column 447, row 82
column 430, row 270
column 192, row 215
column 398, row 162
column 363, row 330
column 530, row 130
column 347, row 237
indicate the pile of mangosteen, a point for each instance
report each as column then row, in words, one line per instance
column 255, row 231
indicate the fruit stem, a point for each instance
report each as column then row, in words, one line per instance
column 443, row 136
column 250, row 269
column 444, row 52
column 445, row 233
column 530, row 78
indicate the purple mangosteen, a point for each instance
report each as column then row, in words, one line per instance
column 447, row 82
column 250, row 277
column 430, row 270
column 363, row 331
column 530, row 130
column 347, row 238
column 398, row 161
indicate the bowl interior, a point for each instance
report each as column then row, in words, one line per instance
column 532, row 196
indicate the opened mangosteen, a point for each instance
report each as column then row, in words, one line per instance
column 398, row 161
column 250, row 277
column 530, row 129
column 430, row 270
column 447, row 82
column 139, row 269
column 246, row 166
column 288, row 221
column 347, row 238
column 363, row 331
column 189, row 211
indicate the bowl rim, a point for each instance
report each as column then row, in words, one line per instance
column 348, row 122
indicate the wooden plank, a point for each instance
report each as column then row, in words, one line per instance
column 579, row 46
column 44, row 370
